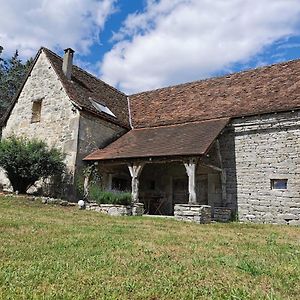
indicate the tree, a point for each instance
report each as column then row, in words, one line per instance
column 26, row 161
column 12, row 74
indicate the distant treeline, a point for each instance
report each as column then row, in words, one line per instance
column 12, row 74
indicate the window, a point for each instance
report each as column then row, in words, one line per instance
column 36, row 111
column 101, row 107
column 279, row 184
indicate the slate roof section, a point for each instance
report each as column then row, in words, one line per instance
column 84, row 86
column 264, row 90
column 190, row 139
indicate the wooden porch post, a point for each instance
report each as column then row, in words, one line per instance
column 190, row 167
column 109, row 181
column 135, row 170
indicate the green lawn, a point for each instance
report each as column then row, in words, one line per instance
column 51, row 252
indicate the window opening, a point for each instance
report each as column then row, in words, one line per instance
column 36, row 111
column 279, row 184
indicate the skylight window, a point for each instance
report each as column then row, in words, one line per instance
column 102, row 108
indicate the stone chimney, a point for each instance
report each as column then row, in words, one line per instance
column 68, row 62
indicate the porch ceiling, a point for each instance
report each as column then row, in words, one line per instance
column 175, row 140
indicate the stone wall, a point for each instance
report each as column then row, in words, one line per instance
column 256, row 150
column 222, row 214
column 58, row 125
column 110, row 209
column 117, row 210
column 59, row 120
column 194, row 213
column 95, row 133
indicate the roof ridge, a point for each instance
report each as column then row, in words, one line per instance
column 76, row 97
column 87, row 73
column 217, row 77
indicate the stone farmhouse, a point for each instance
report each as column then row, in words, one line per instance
column 232, row 142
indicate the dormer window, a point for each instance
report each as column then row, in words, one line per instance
column 101, row 107
column 36, row 111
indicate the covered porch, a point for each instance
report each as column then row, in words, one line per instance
column 161, row 185
column 167, row 166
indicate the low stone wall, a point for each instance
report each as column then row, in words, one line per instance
column 117, row 210
column 110, row 209
column 222, row 214
column 194, row 213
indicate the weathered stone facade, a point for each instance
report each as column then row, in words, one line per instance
column 59, row 121
column 94, row 133
column 257, row 150
column 61, row 124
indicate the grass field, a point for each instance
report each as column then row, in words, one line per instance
column 50, row 252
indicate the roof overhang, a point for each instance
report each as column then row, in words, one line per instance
column 181, row 140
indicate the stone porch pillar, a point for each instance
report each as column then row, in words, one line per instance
column 190, row 168
column 135, row 170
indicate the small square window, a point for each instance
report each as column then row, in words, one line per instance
column 279, row 184
column 36, row 111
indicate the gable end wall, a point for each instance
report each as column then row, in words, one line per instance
column 59, row 119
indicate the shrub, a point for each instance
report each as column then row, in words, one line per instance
column 109, row 197
column 26, row 161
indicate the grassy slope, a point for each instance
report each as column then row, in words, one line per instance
column 53, row 252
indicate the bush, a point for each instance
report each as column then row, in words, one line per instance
column 109, row 197
column 26, row 161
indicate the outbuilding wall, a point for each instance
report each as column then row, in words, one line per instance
column 255, row 151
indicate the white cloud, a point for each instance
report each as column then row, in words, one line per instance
column 28, row 24
column 175, row 41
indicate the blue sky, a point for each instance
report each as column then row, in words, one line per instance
column 138, row 45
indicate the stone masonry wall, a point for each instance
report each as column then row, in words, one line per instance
column 263, row 148
column 95, row 133
column 59, row 121
column 194, row 213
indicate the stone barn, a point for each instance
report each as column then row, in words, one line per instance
column 231, row 142
column 67, row 108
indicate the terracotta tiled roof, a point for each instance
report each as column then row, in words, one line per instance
column 179, row 140
column 84, row 86
column 268, row 89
